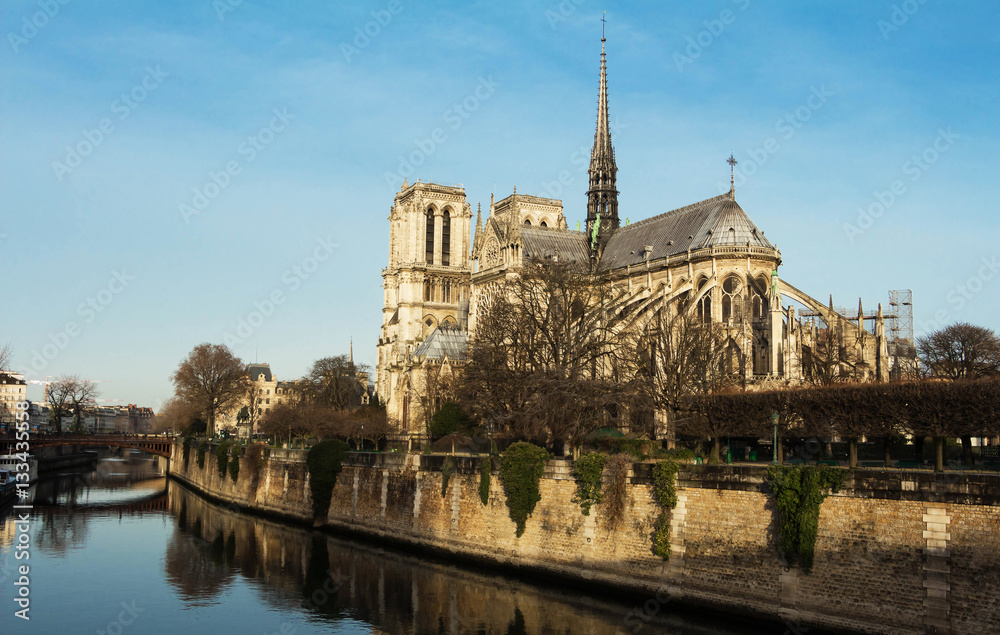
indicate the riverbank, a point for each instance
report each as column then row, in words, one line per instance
column 896, row 552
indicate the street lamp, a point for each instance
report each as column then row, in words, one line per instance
column 774, row 453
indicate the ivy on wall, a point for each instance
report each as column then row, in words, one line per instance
column 222, row 457
column 447, row 469
column 234, row 464
column 188, row 443
column 324, row 463
column 616, row 489
column 485, row 465
column 521, row 468
column 799, row 491
column 588, row 470
column 200, row 456
column 665, row 494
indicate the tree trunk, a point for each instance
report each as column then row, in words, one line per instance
column 918, row 448
column 852, row 452
column 716, row 442
column 781, row 451
column 939, row 454
column 967, row 458
column 888, row 457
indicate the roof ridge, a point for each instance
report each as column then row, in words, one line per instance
column 686, row 208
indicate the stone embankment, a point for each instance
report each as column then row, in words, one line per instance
column 896, row 552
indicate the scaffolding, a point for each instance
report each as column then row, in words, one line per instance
column 902, row 351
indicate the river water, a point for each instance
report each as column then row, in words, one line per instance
column 121, row 549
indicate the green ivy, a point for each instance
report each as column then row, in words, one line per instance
column 234, row 465
column 447, row 469
column 324, row 463
column 521, row 468
column 201, row 454
column 588, row 470
column 222, row 457
column 799, row 490
column 188, row 442
column 485, row 464
column 665, row 494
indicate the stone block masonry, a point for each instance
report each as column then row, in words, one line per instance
column 896, row 552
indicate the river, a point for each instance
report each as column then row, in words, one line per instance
column 121, row 549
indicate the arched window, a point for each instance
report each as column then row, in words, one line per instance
column 732, row 300
column 527, row 222
column 705, row 304
column 759, row 295
column 430, row 237
column 542, row 224
column 445, row 238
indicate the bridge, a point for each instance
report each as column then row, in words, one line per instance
column 158, row 444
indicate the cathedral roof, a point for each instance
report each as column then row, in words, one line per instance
column 714, row 222
column 444, row 341
column 543, row 243
column 254, row 370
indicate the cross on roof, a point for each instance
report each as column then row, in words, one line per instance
column 603, row 23
column 732, row 170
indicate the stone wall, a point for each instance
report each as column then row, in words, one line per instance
column 896, row 552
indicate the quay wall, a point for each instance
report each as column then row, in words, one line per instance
column 896, row 552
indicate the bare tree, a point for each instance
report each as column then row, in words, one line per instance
column 333, row 381
column 177, row 415
column 550, row 333
column 960, row 351
column 829, row 359
column 250, row 414
column 81, row 398
column 680, row 355
column 211, row 379
column 59, row 397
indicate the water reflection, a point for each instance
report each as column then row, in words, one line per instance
column 337, row 579
column 201, row 567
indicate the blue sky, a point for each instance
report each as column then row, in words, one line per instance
column 292, row 126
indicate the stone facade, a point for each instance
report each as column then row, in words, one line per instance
column 885, row 561
column 709, row 254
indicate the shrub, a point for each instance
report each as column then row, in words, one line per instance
column 521, row 468
column 485, row 464
column 447, row 469
column 799, row 491
column 222, row 457
column 665, row 494
column 450, row 418
column 588, row 470
column 324, row 463
column 200, row 457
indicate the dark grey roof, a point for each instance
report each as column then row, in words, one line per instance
column 713, row 222
column 445, row 341
column 544, row 243
column 254, row 370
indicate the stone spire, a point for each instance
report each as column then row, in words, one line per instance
column 478, row 236
column 602, row 197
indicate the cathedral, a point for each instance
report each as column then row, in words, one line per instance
column 709, row 253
